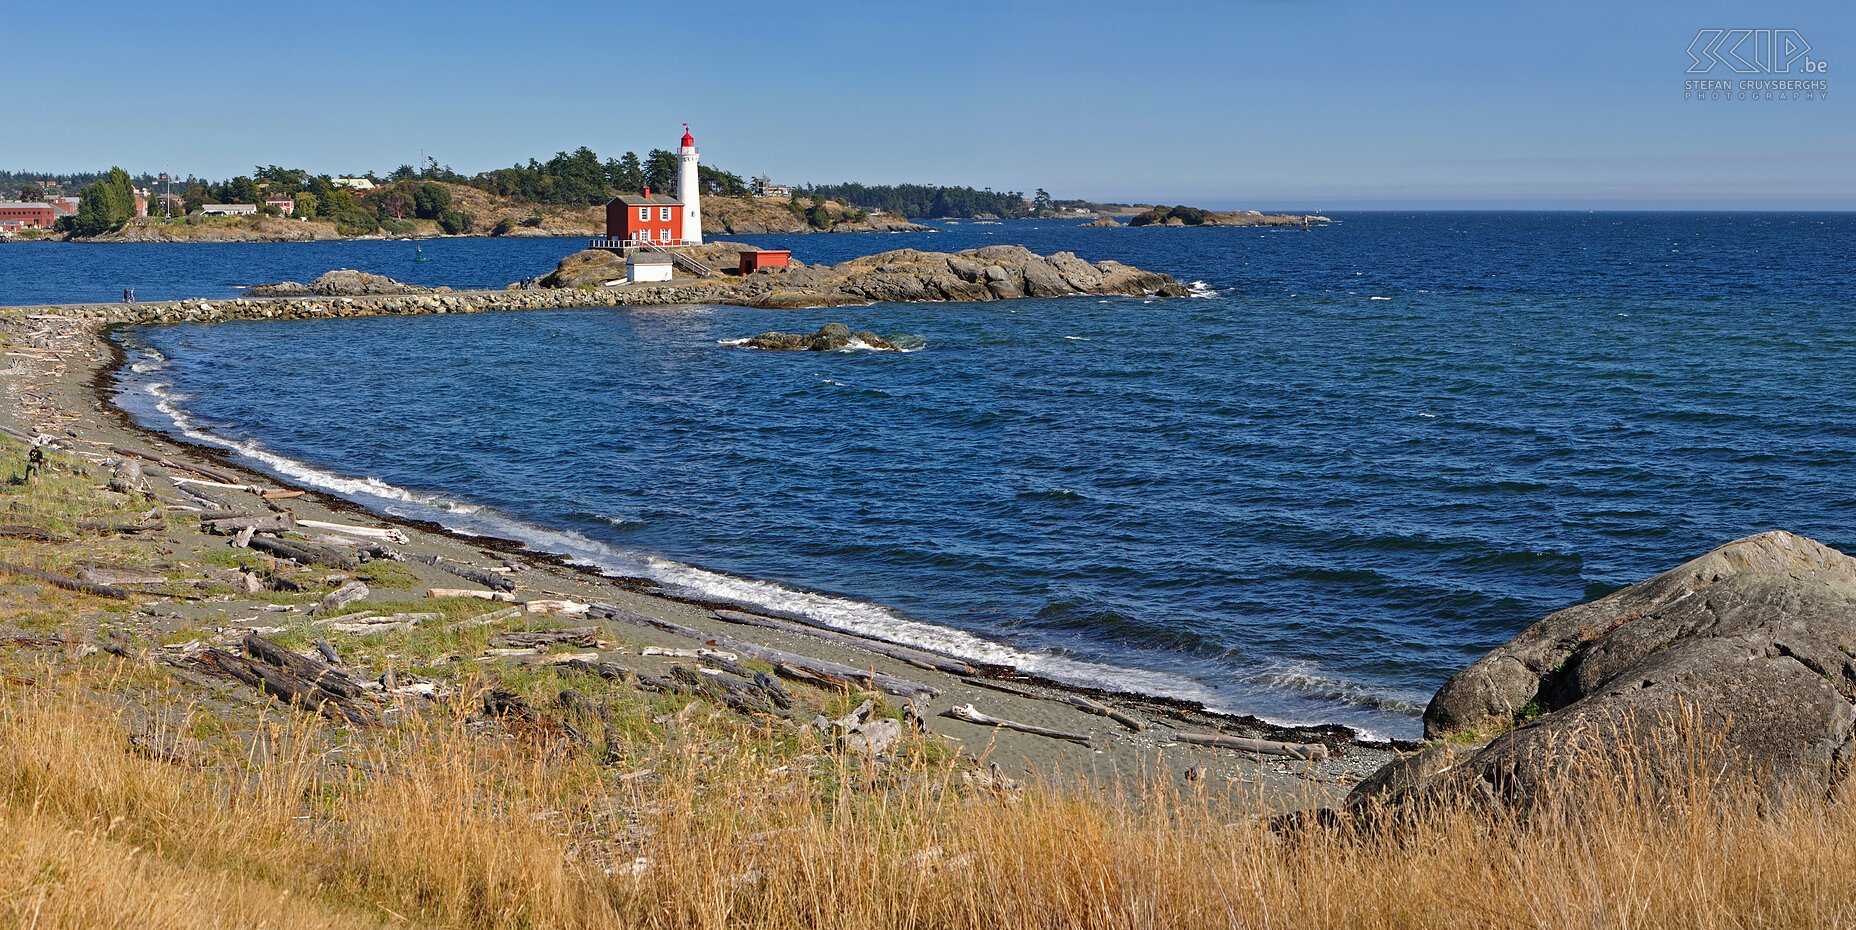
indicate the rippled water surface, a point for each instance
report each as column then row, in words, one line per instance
column 1373, row 452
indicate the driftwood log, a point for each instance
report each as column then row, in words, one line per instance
column 389, row 534
column 491, row 580
column 586, row 637
column 1103, row 710
column 315, row 671
column 342, row 597
column 971, row 714
column 36, row 534
column 128, row 478
column 305, row 553
column 803, row 668
column 262, row 523
column 286, row 687
column 66, row 582
column 1309, row 752
column 201, row 470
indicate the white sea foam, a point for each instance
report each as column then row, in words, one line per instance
column 1378, row 298
column 733, row 342
column 1201, row 289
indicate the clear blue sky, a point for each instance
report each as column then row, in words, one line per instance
column 1292, row 104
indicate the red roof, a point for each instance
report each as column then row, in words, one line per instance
column 688, row 140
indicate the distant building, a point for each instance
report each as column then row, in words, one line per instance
column 645, row 220
column 764, row 187
column 285, row 205
column 167, row 204
column 16, row 215
column 354, row 184
column 64, row 206
column 648, row 266
column 228, row 209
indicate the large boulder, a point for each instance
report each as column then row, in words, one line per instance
column 1741, row 662
column 342, row 282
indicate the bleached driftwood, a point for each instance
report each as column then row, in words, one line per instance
column 547, row 605
column 222, row 485
column 830, row 674
column 470, row 592
column 263, row 523
column 128, row 478
column 342, row 597
column 1309, row 752
column 971, row 714
column 690, row 653
column 388, row 533
column 489, row 580
column 1103, row 710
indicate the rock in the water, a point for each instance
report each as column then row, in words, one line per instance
column 1104, row 222
column 342, row 282
column 829, row 338
column 1746, row 655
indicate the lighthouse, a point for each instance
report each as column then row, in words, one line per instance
column 689, row 188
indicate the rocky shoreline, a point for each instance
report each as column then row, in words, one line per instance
column 57, row 389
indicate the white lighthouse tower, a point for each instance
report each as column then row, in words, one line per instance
column 689, row 188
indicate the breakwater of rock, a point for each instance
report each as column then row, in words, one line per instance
column 904, row 276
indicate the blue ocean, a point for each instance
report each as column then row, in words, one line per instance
column 1363, row 454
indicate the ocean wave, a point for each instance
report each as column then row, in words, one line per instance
column 1310, row 679
column 1200, row 289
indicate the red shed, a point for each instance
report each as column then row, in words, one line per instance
column 647, row 219
column 765, row 258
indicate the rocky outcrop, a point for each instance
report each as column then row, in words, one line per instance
column 999, row 272
column 829, row 338
column 342, row 282
column 1741, row 662
column 1103, row 222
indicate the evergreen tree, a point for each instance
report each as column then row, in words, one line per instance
column 93, row 212
column 660, row 170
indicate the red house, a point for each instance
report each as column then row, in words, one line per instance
column 654, row 220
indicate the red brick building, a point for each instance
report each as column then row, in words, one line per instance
column 657, row 220
column 16, row 214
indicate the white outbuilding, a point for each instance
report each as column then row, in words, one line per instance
column 647, row 266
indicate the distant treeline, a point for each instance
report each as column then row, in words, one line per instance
column 922, row 200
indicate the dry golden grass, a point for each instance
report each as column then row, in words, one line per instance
column 446, row 821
